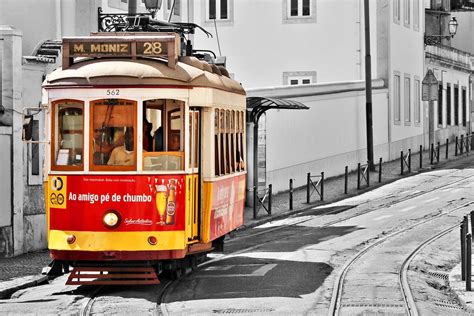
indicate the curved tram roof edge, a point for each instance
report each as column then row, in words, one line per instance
column 139, row 72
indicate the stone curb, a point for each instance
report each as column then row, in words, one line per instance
column 459, row 288
column 7, row 288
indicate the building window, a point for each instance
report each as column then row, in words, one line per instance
column 448, row 104
column 300, row 8
column 396, row 98
column 463, row 104
column 406, row 12
column 440, row 105
column 407, row 99
column 293, row 78
column 118, row 4
column 299, row 11
column 176, row 9
column 218, row 10
column 396, row 11
column 294, row 81
column 456, row 104
column 416, row 15
column 416, row 99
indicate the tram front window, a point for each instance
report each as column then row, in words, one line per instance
column 165, row 120
column 68, row 135
column 113, row 135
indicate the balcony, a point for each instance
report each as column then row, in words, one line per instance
column 450, row 57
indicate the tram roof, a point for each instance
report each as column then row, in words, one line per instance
column 189, row 71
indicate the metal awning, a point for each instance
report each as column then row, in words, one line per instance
column 256, row 106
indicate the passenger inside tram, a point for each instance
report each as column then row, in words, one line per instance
column 147, row 137
column 158, row 139
column 105, row 140
column 123, row 155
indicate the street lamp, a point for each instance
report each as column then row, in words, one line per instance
column 436, row 39
column 152, row 6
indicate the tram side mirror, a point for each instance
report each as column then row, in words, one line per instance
column 27, row 127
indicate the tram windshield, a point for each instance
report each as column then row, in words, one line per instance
column 113, row 135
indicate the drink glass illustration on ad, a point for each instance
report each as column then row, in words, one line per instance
column 165, row 200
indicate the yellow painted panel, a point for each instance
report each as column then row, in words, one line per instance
column 206, row 212
column 57, row 192
column 109, row 241
column 195, row 216
column 191, row 204
column 46, row 194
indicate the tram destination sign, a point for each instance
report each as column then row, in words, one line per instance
column 127, row 46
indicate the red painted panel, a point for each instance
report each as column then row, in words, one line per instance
column 227, row 210
column 134, row 197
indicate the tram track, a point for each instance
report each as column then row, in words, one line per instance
column 403, row 273
column 161, row 309
column 86, row 308
column 337, row 221
column 410, row 306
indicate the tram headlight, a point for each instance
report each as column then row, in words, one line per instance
column 152, row 240
column 111, row 219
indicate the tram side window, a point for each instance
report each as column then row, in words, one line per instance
column 216, row 144
column 228, row 142
column 167, row 126
column 68, row 135
column 113, row 137
column 222, row 142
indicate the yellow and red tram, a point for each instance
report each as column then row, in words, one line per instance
column 145, row 160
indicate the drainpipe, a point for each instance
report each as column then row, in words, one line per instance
column 132, row 6
column 469, row 105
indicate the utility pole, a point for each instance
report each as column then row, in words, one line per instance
column 368, row 89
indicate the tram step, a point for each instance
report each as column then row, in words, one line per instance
column 112, row 276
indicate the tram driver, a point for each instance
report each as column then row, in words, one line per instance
column 123, row 155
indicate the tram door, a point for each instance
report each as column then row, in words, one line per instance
column 195, row 179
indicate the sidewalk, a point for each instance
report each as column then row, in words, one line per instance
column 25, row 270
column 334, row 186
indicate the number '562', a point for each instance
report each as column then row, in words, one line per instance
column 113, row 92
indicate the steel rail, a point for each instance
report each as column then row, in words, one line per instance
column 160, row 306
column 337, row 290
column 403, row 272
column 86, row 308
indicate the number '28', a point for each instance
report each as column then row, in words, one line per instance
column 153, row 48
